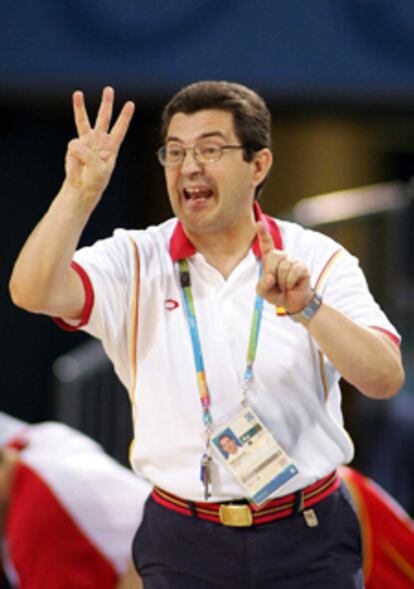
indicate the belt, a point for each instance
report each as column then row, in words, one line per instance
column 241, row 513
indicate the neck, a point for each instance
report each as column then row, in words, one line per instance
column 225, row 249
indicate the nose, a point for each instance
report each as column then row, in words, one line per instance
column 190, row 165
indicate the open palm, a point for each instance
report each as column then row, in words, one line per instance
column 91, row 157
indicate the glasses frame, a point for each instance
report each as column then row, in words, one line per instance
column 193, row 148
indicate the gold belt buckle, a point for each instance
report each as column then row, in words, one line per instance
column 236, row 515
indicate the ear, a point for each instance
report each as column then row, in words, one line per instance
column 262, row 163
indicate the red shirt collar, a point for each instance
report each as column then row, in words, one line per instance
column 181, row 247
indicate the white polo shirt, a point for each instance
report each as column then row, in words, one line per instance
column 135, row 306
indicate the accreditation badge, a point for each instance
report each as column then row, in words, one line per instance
column 252, row 454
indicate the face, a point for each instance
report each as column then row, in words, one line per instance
column 228, row 445
column 217, row 196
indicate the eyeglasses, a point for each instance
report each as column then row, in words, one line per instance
column 205, row 152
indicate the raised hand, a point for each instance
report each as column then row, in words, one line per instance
column 285, row 282
column 91, row 157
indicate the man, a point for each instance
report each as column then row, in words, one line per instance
column 176, row 309
column 230, row 448
column 68, row 511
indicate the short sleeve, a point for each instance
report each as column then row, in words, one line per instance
column 343, row 286
column 108, row 270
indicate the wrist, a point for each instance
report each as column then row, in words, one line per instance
column 309, row 311
column 79, row 199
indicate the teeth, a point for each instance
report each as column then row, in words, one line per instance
column 197, row 192
column 193, row 190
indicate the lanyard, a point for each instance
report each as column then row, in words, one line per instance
column 204, row 394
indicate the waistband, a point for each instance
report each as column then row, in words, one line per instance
column 242, row 513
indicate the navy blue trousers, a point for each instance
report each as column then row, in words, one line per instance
column 174, row 551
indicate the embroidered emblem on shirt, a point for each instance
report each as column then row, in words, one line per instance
column 171, row 304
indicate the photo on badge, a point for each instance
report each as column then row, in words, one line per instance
column 228, row 444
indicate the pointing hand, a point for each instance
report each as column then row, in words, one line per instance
column 285, row 281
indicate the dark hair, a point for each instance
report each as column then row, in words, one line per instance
column 252, row 120
column 224, row 435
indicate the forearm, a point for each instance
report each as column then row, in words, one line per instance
column 363, row 356
column 42, row 281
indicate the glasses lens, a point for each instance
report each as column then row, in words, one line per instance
column 208, row 152
column 174, row 154
column 171, row 154
column 161, row 155
column 205, row 152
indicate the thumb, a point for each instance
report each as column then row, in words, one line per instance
column 265, row 284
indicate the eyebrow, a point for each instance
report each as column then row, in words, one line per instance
column 200, row 137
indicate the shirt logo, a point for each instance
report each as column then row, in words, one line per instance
column 171, row 304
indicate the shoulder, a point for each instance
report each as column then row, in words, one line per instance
column 122, row 238
column 295, row 237
column 119, row 253
column 153, row 234
column 313, row 248
column 326, row 259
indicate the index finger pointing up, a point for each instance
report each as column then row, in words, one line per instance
column 265, row 239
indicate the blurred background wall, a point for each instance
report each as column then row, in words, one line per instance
column 338, row 76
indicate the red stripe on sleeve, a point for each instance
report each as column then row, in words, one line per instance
column 396, row 340
column 88, row 305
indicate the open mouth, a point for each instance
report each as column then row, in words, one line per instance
column 197, row 193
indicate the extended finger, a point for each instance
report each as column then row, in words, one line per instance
column 265, row 239
column 82, row 123
column 103, row 118
column 121, row 125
